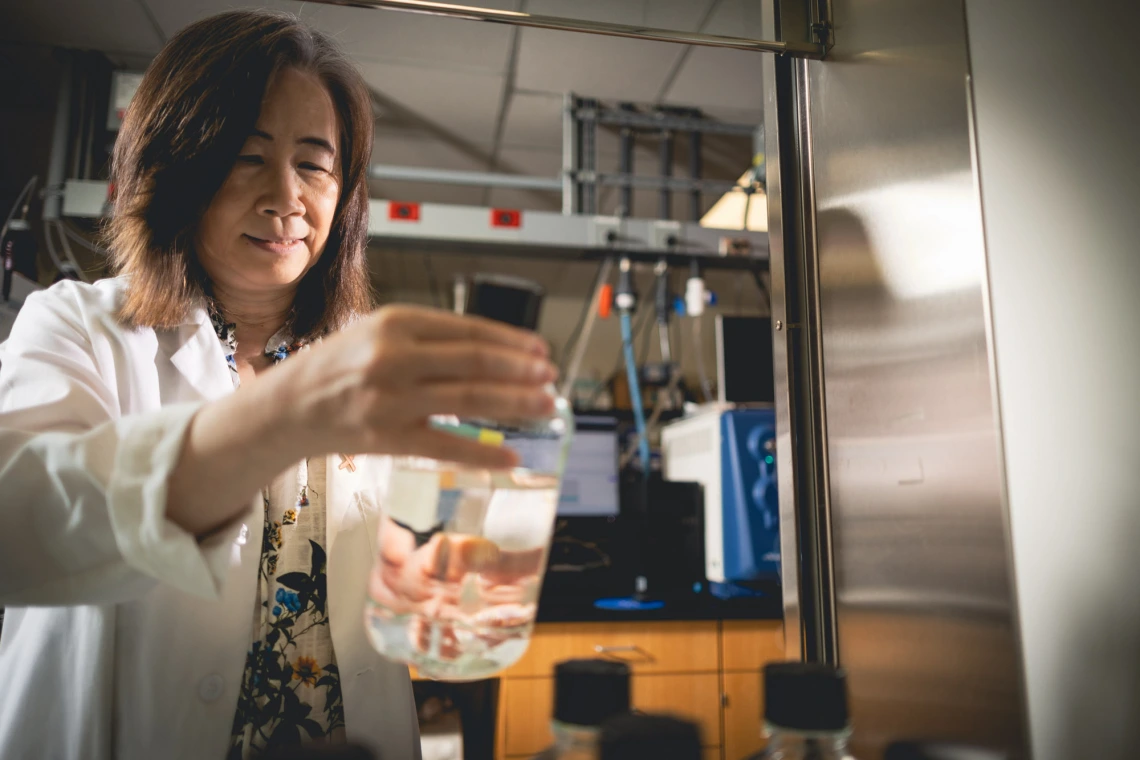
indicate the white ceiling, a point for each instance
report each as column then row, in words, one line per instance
column 454, row 99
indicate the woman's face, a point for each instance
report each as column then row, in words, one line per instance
column 270, row 220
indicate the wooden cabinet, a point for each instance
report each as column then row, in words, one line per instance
column 694, row 697
column 746, row 646
column 707, row 672
column 743, row 706
column 681, row 647
column 527, row 704
column 749, row 644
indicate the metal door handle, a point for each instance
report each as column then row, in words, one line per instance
column 616, row 652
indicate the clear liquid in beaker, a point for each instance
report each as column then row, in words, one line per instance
column 455, row 587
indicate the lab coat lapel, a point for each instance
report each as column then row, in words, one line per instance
column 197, row 355
column 340, row 487
column 379, row 708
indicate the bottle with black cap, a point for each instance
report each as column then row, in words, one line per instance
column 805, row 712
column 637, row 736
column 586, row 693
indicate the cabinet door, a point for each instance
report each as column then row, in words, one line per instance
column 695, row 697
column 527, row 704
column 743, row 711
column 673, row 647
column 749, row 644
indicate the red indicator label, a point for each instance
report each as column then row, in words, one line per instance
column 404, row 212
column 506, row 217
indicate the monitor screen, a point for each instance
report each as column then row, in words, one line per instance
column 744, row 359
column 590, row 483
column 506, row 299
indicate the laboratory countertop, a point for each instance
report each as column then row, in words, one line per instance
column 563, row 608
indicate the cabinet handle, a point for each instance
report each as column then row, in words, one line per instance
column 617, row 652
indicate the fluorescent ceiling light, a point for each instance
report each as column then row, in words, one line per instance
column 728, row 212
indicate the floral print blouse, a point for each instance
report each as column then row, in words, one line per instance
column 290, row 692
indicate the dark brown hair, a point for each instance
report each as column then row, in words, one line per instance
column 193, row 111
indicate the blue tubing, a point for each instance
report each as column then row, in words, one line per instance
column 635, row 391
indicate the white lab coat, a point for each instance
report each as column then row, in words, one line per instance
column 141, row 654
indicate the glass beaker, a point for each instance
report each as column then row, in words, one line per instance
column 462, row 551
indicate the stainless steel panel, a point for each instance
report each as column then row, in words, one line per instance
column 922, row 567
column 789, row 528
column 1063, row 275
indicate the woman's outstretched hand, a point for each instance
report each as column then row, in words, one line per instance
column 369, row 389
column 372, row 387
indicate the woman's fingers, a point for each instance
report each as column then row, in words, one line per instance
column 477, row 361
column 446, row 447
column 436, row 325
column 486, row 400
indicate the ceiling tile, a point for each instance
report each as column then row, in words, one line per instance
column 444, row 76
column 113, row 25
column 612, row 68
column 369, row 33
column 410, row 151
column 459, row 102
column 737, row 18
column 416, row 38
column 537, row 163
column 534, row 120
column 417, row 150
column 173, row 16
column 682, row 15
column 717, row 77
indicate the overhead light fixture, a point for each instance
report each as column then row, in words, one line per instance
column 739, row 210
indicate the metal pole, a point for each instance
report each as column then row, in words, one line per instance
column 57, row 162
column 589, row 159
column 554, row 184
column 587, row 329
column 797, row 315
column 579, row 144
column 675, row 184
column 518, row 18
column 627, row 139
column 449, row 177
column 695, row 169
column 569, row 154
column 459, row 294
column 665, row 198
column 665, row 120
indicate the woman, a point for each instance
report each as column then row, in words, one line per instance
column 205, row 551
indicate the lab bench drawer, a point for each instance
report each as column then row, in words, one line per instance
column 673, row 647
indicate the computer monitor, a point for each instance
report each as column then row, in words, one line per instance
column 590, row 483
column 505, row 298
column 744, row 360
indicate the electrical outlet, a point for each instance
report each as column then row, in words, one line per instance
column 664, row 235
column 605, row 231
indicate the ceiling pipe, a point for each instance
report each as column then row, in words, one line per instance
column 518, row 18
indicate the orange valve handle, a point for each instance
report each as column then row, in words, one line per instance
column 605, row 301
